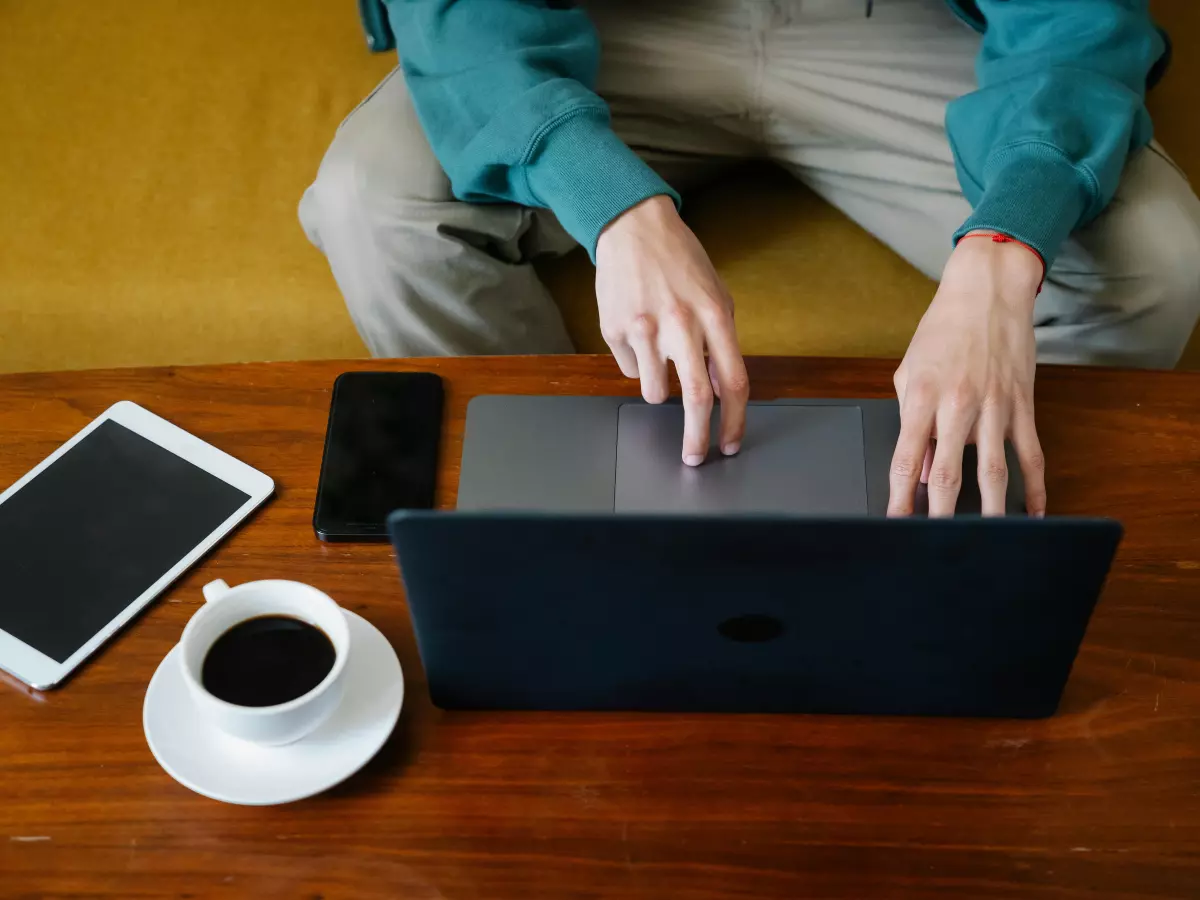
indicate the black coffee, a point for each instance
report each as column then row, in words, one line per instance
column 267, row 660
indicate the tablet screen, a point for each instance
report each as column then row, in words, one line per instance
column 88, row 535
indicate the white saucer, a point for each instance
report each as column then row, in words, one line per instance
column 212, row 763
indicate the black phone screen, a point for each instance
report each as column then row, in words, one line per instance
column 381, row 450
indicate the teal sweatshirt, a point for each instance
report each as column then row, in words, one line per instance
column 504, row 91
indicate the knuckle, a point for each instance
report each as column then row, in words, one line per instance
column 1036, row 461
column 945, row 479
column 994, row 398
column 905, row 468
column 715, row 314
column 1022, row 401
column 921, row 393
column 679, row 316
column 696, row 390
column 643, row 326
column 738, row 385
column 994, row 472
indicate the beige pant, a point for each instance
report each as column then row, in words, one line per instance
column 852, row 106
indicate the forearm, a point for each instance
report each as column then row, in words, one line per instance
column 1041, row 145
column 504, row 92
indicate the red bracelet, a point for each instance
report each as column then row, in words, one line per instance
column 1005, row 239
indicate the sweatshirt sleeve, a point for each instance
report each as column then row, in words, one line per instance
column 504, row 92
column 1040, row 146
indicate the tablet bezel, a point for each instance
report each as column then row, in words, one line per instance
column 40, row 671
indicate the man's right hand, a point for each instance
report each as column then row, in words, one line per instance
column 660, row 299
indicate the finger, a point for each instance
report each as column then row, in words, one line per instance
column 625, row 357
column 731, row 382
column 688, row 357
column 900, row 382
column 916, row 423
column 945, row 475
column 928, row 464
column 651, row 366
column 1033, row 463
column 992, row 471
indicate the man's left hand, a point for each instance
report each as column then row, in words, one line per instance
column 968, row 378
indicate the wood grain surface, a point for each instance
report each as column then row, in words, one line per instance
column 1102, row 800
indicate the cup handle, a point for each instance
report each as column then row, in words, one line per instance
column 215, row 590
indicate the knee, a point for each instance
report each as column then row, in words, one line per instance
column 379, row 159
column 1169, row 273
column 354, row 177
column 338, row 193
column 1153, row 249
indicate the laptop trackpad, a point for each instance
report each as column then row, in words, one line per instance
column 794, row 459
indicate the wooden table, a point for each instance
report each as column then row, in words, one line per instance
column 1102, row 800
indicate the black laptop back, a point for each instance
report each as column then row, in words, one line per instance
column 961, row 617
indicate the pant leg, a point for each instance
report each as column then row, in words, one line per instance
column 1127, row 286
column 425, row 274
column 855, row 107
column 422, row 273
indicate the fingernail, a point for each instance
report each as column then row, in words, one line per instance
column 693, row 460
column 731, row 448
column 1040, row 514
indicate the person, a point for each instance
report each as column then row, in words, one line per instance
column 1002, row 146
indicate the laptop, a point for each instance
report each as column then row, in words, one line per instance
column 617, row 579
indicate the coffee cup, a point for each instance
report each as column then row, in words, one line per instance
column 221, row 628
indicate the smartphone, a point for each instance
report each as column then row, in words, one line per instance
column 381, row 452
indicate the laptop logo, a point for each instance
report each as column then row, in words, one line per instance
column 751, row 629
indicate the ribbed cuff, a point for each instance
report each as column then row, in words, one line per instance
column 587, row 176
column 1035, row 195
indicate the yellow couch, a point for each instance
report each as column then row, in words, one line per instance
column 152, row 153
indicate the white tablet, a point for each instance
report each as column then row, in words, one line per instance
column 101, row 527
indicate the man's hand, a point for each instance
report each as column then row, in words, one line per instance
column 660, row 300
column 968, row 378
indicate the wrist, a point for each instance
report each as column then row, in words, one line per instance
column 651, row 213
column 656, row 208
column 1024, row 264
column 1014, row 270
